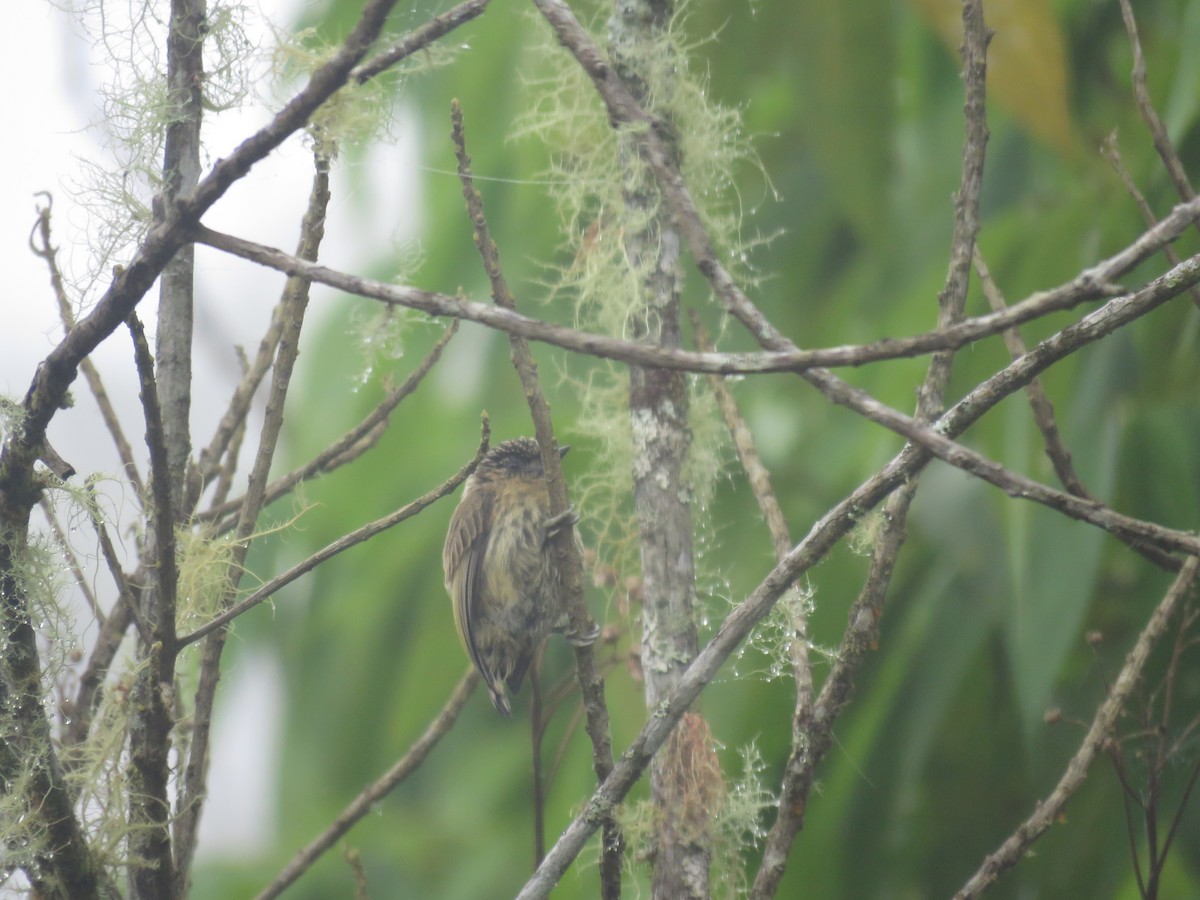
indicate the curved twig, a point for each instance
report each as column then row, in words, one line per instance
column 365, row 802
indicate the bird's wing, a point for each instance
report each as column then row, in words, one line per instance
column 462, row 558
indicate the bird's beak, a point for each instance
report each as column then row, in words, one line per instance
column 562, row 450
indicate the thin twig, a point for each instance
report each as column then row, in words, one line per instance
column 1044, row 418
column 1047, row 811
column 233, row 421
column 49, row 253
column 343, row 543
column 538, row 722
column 68, row 552
column 353, row 443
column 811, row 737
column 1089, row 285
column 1158, row 131
column 1043, row 409
column 568, row 559
column 757, row 474
column 231, row 453
column 782, row 832
column 1111, row 152
column 296, row 293
column 91, row 681
column 126, row 609
column 365, row 802
column 419, row 38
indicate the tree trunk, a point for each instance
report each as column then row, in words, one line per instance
column 682, row 774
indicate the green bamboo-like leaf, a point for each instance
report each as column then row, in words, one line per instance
column 1027, row 63
column 1055, row 560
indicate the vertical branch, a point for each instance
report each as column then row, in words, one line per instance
column 684, row 770
column 1158, row 131
column 814, row 723
column 166, row 403
column 57, row 860
column 181, row 173
column 295, row 303
column 568, row 559
column 539, row 719
column 49, row 253
column 151, row 869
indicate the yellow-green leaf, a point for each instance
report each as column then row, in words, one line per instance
column 1027, row 67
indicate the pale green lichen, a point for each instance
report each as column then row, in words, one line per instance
column 115, row 192
column 865, row 533
column 205, row 565
column 735, row 827
column 603, row 280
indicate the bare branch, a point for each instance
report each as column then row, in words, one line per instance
column 1090, row 284
column 365, row 802
column 420, row 38
column 233, row 421
column 1043, row 416
column 1112, row 153
column 757, row 474
column 152, row 872
column 1047, row 811
column 343, row 543
column 1158, row 131
column 353, row 443
column 568, row 559
column 49, row 253
column 295, row 303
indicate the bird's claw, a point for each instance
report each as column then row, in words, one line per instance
column 565, row 519
column 575, row 639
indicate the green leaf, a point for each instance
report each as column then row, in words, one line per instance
column 1055, row 560
column 847, row 55
column 1026, row 63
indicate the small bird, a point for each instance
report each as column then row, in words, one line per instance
column 500, row 573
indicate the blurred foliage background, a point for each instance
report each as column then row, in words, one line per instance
column 854, row 110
